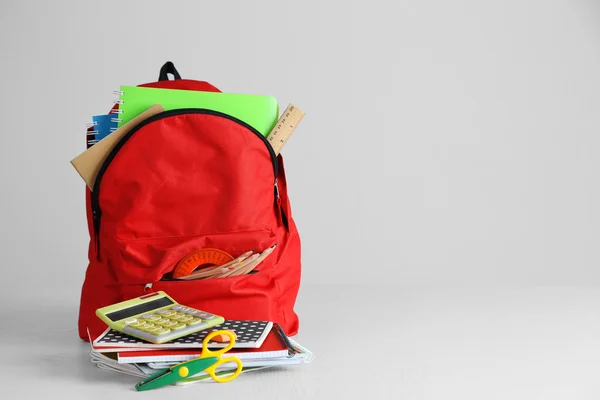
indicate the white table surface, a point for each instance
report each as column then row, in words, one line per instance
column 417, row 343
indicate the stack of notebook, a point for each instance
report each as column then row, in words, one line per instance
column 135, row 104
column 260, row 112
column 260, row 345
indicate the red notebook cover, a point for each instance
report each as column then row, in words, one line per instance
column 273, row 347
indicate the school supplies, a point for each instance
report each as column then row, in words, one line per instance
column 89, row 162
column 227, row 272
column 217, row 270
column 260, row 112
column 90, row 135
column 249, row 264
column 285, row 126
column 200, row 258
column 274, row 352
column 250, row 334
column 222, row 338
column 208, row 362
column 156, row 317
column 243, row 264
column 104, row 125
column 101, row 126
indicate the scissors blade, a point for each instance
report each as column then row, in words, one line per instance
column 156, row 380
column 176, row 373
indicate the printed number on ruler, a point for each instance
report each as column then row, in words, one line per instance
column 284, row 128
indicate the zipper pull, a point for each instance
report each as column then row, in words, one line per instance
column 278, row 205
column 281, row 217
column 96, row 220
column 276, row 189
column 148, row 287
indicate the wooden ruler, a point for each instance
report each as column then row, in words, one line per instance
column 284, row 127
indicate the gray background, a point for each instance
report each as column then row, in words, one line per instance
column 447, row 144
column 444, row 141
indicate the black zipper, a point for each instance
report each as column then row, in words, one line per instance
column 97, row 213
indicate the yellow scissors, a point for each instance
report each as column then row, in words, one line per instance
column 209, row 361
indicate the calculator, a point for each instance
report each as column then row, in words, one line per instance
column 157, row 318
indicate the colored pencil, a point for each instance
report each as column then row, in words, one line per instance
column 247, row 267
column 239, row 266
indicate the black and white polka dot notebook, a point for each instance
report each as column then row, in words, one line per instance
column 250, row 334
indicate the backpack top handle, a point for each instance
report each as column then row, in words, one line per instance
column 166, row 69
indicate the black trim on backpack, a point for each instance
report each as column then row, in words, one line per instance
column 166, row 69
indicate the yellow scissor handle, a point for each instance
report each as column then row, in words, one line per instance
column 222, row 379
column 206, row 352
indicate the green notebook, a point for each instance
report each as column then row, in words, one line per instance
column 260, row 112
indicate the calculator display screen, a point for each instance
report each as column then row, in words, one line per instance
column 139, row 309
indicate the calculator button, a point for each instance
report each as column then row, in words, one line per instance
column 186, row 319
column 176, row 308
column 154, row 329
column 205, row 315
column 162, row 321
column 194, row 321
column 162, row 331
column 150, row 317
column 147, row 325
column 135, row 324
column 169, row 324
column 185, row 309
column 178, row 326
column 164, row 312
column 130, row 321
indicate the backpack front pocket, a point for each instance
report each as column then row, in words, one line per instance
column 143, row 261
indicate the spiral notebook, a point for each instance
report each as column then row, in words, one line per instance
column 250, row 334
column 105, row 125
column 260, row 112
column 272, row 347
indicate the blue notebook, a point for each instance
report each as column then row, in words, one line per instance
column 104, row 125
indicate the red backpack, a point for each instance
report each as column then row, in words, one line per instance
column 184, row 180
